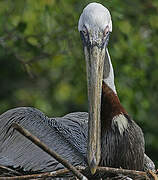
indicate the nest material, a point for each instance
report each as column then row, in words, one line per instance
column 71, row 172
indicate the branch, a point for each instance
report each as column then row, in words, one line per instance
column 40, row 175
column 101, row 172
column 12, row 35
column 36, row 141
column 154, row 176
column 10, row 170
column 116, row 171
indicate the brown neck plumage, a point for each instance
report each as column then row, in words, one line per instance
column 110, row 106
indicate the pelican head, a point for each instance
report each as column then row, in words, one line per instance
column 95, row 26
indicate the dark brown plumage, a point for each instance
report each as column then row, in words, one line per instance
column 122, row 140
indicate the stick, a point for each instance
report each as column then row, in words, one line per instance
column 153, row 175
column 139, row 175
column 58, row 173
column 10, row 170
column 36, row 141
column 103, row 170
column 40, row 175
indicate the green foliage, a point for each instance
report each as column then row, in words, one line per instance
column 42, row 62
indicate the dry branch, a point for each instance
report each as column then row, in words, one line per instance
column 154, row 176
column 101, row 171
column 4, row 168
column 130, row 173
column 54, row 174
column 44, row 147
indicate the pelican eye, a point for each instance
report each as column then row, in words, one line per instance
column 85, row 32
column 106, row 34
column 106, row 31
column 85, row 36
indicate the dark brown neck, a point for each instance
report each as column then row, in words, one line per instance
column 110, row 106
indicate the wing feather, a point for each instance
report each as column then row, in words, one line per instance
column 66, row 135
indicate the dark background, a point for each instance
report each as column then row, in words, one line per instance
column 42, row 63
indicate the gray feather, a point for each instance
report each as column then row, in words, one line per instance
column 63, row 135
column 66, row 135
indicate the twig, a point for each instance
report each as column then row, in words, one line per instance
column 101, row 171
column 153, row 175
column 10, row 170
column 44, row 147
column 130, row 173
column 58, row 173
column 40, row 175
column 11, row 35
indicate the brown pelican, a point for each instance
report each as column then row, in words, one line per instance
column 113, row 139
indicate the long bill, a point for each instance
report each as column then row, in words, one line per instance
column 95, row 62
